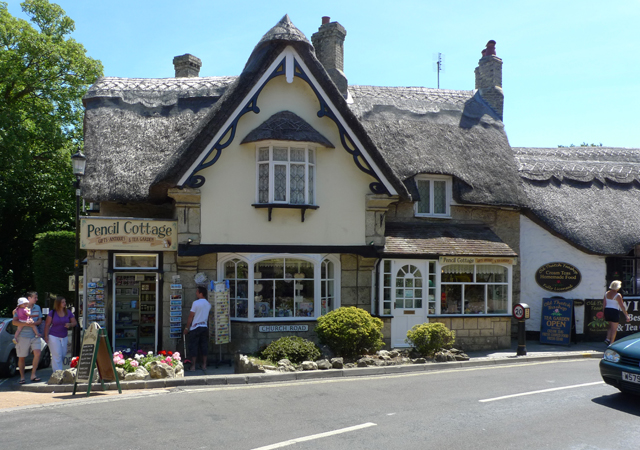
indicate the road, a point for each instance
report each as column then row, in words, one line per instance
column 554, row 405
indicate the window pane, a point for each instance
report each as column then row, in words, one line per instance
column 270, row 268
column 439, row 197
column 304, row 296
column 423, row 190
column 474, row 299
column 311, row 200
column 461, row 273
column 497, row 299
column 280, row 154
column 263, row 183
column 242, row 308
column 491, row 274
column 263, row 154
column 230, row 269
column 298, row 268
column 297, row 154
column 296, row 184
column 280, row 183
column 451, row 297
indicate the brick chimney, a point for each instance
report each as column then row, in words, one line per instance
column 489, row 78
column 187, row 65
column 328, row 42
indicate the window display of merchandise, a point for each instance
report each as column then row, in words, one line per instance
column 135, row 312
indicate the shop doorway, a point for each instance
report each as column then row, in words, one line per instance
column 135, row 312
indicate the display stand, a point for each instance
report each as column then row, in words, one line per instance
column 95, row 351
column 219, row 317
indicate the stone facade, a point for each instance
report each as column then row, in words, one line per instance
column 479, row 333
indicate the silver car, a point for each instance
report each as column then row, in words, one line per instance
column 8, row 357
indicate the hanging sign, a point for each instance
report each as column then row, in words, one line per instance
column 476, row 260
column 95, row 352
column 118, row 233
column 558, row 277
column 557, row 315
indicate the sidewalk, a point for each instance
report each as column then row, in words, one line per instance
column 39, row 393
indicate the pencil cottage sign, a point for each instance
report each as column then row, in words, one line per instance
column 558, row 277
column 117, row 233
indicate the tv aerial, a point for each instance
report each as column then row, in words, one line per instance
column 438, row 65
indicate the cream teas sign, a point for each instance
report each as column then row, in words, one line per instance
column 121, row 233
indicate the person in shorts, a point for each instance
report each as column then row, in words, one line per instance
column 27, row 340
column 613, row 304
column 197, row 329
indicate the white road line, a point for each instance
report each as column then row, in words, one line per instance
column 316, row 436
column 540, row 392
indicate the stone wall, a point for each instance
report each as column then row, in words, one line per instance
column 356, row 281
column 479, row 333
column 247, row 339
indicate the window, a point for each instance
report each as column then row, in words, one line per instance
column 132, row 261
column 285, row 174
column 474, row 289
column 281, row 288
column 435, row 196
column 412, row 284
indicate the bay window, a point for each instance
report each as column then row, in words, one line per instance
column 474, row 289
column 285, row 174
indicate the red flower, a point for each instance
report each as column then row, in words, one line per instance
column 600, row 315
column 163, row 353
column 170, row 353
column 74, row 361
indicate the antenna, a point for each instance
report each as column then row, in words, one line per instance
column 438, row 65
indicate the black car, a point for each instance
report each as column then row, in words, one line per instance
column 620, row 365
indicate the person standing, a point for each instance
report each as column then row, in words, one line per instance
column 28, row 340
column 197, row 328
column 56, row 331
column 612, row 306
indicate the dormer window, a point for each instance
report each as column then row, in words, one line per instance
column 435, row 196
column 285, row 174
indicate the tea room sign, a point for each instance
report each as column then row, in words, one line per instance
column 121, row 233
column 558, row 277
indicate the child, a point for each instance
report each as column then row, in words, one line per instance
column 24, row 312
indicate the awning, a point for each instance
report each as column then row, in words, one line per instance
column 415, row 240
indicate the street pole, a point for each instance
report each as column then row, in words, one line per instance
column 79, row 162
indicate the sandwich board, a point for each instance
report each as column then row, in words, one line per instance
column 95, row 352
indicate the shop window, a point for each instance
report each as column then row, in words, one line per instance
column 133, row 261
column 435, row 196
column 283, row 288
column 408, row 285
column 627, row 270
column 474, row 289
column 285, row 175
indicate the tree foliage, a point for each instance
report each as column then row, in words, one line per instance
column 43, row 75
column 53, row 259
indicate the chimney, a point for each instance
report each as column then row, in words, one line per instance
column 187, row 65
column 489, row 78
column 328, row 42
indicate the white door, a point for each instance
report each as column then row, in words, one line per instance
column 409, row 306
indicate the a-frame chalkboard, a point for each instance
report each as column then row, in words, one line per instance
column 95, row 351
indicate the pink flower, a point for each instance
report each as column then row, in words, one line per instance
column 168, row 360
column 134, row 363
column 600, row 315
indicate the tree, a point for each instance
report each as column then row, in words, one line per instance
column 43, row 75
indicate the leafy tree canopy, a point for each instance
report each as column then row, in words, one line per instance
column 43, row 75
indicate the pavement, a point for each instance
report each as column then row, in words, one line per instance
column 14, row 395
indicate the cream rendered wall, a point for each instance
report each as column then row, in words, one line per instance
column 539, row 247
column 230, row 187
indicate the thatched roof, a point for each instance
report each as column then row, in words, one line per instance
column 430, row 240
column 435, row 131
column 286, row 126
column 589, row 196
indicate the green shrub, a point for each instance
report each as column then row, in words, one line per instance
column 293, row 348
column 53, row 259
column 350, row 332
column 428, row 338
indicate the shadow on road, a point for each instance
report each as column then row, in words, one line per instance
column 625, row 403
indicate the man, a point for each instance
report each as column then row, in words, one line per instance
column 28, row 340
column 197, row 327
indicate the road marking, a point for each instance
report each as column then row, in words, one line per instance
column 6, row 379
column 540, row 392
column 316, row 436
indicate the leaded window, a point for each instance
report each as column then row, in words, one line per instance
column 286, row 174
column 435, row 195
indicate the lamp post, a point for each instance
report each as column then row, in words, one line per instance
column 79, row 163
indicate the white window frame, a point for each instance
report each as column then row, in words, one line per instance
column 252, row 258
column 310, row 169
column 448, row 199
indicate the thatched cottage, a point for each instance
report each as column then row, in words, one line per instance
column 306, row 194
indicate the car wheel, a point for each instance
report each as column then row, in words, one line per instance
column 45, row 359
column 9, row 368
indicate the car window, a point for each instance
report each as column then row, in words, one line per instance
column 11, row 328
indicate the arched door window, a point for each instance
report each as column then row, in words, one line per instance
column 409, row 287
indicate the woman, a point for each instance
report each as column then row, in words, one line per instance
column 56, row 331
column 612, row 307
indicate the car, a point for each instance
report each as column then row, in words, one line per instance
column 620, row 364
column 8, row 357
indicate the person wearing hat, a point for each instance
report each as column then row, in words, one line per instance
column 24, row 317
column 28, row 339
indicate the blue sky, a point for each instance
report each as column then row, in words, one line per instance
column 571, row 70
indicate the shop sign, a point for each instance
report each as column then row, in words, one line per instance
column 557, row 314
column 117, row 233
column 474, row 260
column 596, row 325
column 280, row 328
column 558, row 277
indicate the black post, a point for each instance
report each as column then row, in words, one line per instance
column 522, row 339
column 76, row 330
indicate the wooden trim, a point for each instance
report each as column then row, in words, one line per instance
column 368, row 251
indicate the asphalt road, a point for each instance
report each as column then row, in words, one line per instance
column 555, row 405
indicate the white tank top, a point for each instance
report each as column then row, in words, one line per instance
column 611, row 303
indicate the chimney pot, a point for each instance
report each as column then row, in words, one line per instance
column 187, row 66
column 325, row 20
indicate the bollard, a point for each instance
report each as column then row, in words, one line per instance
column 521, row 312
